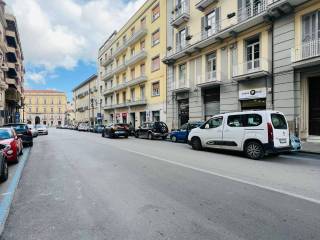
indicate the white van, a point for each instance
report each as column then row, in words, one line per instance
column 256, row 133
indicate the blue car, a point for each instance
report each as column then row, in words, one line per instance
column 181, row 135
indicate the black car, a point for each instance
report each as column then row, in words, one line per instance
column 4, row 171
column 22, row 131
column 152, row 130
column 116, row 130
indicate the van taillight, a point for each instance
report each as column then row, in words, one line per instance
column 270, row 133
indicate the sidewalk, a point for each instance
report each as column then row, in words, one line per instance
column 308, row 147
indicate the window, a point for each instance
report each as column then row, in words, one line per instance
column 155, row 63
column 133, row 31
column 133, row 95
column 211, row 66
column 142, row 69
column 124, row 77
column 156, row 12
column 29, row 100
column 213, row 123
column 143, row 22
column 155, row 89
column 30, row 110
column 181, row 41
column 44, row 110
column 37, row 110
column 45, row 101
column 210, row 23
column 133, row 74
column 235, row 121
column 59, row 110
column 124, row 58
column 124, row 39
column 156, row 37
column 278, row 121
column 132, row 51
column 142, row 45
column 311, row 35
column 182, row 73
column 52, row 102
column 142, row 92
column 124, row 97
column 253, row 53
column 117, row 98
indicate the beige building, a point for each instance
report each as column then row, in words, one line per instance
column 46, row 107
column 11, row 68
column 70, row 114
column 130, row 67
column 87, row 101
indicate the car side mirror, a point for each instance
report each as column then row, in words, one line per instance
column 207, row 126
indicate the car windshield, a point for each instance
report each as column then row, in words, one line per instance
column 5, row 134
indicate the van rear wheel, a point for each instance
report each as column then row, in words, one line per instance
column 196, row 144
column 254, row 150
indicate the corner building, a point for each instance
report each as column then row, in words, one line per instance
column 131, row 68
column 219, row 56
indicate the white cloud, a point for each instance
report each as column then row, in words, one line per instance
column 59, row 33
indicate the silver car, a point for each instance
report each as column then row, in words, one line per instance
column 42, row 129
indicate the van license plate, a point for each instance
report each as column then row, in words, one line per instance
column 283, row 140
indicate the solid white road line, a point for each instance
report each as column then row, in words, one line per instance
column 313, row 200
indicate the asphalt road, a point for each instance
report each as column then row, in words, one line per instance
column 81, row 186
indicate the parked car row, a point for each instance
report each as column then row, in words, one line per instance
column 255, row 133
column 13, row 138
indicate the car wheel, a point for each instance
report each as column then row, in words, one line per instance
column 21, row 153
column 254, row 150
column 164, row 137
column 196, row 144
column 4, row 172
column 103, row 135
column 136, row 135
column 126, row 136
column 31, row 144
column 150, row 137
column 174, row 139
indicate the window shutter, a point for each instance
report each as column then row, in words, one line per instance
column 217, row 27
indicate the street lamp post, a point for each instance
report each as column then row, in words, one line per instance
column 100, row 111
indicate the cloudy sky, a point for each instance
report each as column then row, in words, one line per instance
column 61, row 38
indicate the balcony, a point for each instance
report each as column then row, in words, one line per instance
column 181, row 85
column 137, row 103
column 203, row 4
column 306, row 54
column 120, row 68
column 181, row 14
column 109, row 107
column 136, row 81
column 121, row 49
column 120, row 86
column 109, row 91
column 137, row 58
column 248, row 17
column 108, row 75
column 107, row 61
column 207, row 80
column 251, row 69
column 137, row 36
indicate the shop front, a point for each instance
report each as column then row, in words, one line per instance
column 253, row 95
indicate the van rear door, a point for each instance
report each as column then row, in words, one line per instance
column 280, row 130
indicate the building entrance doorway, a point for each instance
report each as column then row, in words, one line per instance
column 183, row 111
column 37, row 120
column 133, row 119
column 314, row 106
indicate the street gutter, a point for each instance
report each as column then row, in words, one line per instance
column 6, row 202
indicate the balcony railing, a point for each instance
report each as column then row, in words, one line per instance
column 107, row 75
column 252, row 10
column 120, row 68
column 203, row 4
column 107, row 61
column 306, row 50
column 259, row 65
column 121, row 49
column 181, row 84
column 137, row 103
column 210, row 78
column 137, row 36
column 181, row 14
column 136, row 58
column 137, row 80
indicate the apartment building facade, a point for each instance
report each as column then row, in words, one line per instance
column 220, row 57
column 46, row 107
column 3, row 66
column 131, row 68
column 88, row 101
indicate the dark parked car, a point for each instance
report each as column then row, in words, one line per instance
column 98, row 128
column 181, row 135
column 23, row 132
column 152, row 130
column 116, row 130
column 4, row 171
